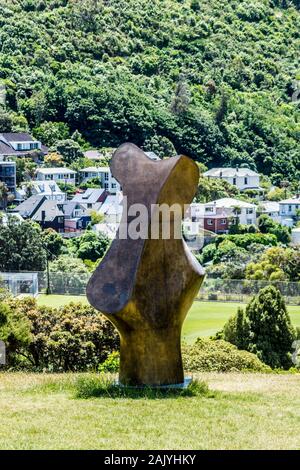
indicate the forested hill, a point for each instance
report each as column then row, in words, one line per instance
column 213, row 77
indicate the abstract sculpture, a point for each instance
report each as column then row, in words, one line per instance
column 145, row 286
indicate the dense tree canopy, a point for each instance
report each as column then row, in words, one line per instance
column 216, row 80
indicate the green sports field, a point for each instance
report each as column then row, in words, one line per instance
column 204, row 318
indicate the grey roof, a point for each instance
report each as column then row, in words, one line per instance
column 51, row 211
column 230, row 172
column 7, row 149
column 30, row 206
column 90, row 196
column 17, row 136
column 69, row 207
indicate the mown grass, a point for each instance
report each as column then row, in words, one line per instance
column 204, row 318
column 240, row 411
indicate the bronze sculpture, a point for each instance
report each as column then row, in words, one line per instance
column 145, row 287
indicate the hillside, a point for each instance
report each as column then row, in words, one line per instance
column 213, row 78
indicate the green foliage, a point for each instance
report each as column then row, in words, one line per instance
column 73, row 338
column 14, row 332
column 21, row 247
column 51, row 132
column 90, row 246
column 277, row 194
column 268, row 225
column 216, row 82
column 111, row 364
column 210, row 189
column 67, row 264
column 69, row 149
column 264, row 328
column 53, row 243
column 243, row 241
column 219, row 356
column 95, row 386
column 276, row 264
column 67, row 188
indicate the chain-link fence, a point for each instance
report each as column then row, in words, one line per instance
column 222, row 290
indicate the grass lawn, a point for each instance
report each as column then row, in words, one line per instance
column 247, row 411
column 204, row 318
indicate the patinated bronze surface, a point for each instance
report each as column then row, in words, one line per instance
column 146, row 287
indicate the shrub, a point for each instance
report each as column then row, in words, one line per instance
column 111, row 364
column 219, row 356
column 264, row 329
column 243, row 241
column 73, row 338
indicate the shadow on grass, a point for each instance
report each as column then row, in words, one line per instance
column 101, row 386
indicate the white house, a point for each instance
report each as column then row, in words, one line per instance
column 288, row 207
column 242, row 178
column 103, row 173
column 19, row 144
column 230, row 207
column 270, row 208
column 112, row 208
column 60, row 175
column 45, row 188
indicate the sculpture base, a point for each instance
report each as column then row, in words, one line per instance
column 182, row 386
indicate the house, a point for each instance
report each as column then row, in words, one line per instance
column 8, row 175
column 289, row 211
column 270, row 208
column 91, row 199
column 112, row 209
column 242, row 178
column 76, row 216
column 46, row 188
column 18, row 144
column 28, row 208
column 45, row 212
column 216, row 213
column 50, row 215
column 60, row 175
column 96, row 155
column 103, row 174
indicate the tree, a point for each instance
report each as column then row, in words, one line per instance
column 52, row 132
column 90, row 246
column 21, row 246
column 69, row 149
column 267, row 225
column 53, row 159
column 264, row 328
column 53, row 243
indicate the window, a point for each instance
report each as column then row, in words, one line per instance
column 90, row 205
column 106, row 176
column 209, row 209
column 249, row 211
column 209, row 222
column 245, row 180
column 249, row 221
column 105, row 185
column 113, row 185
column 290, row 208
column 223, row 222
column 234, row 181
